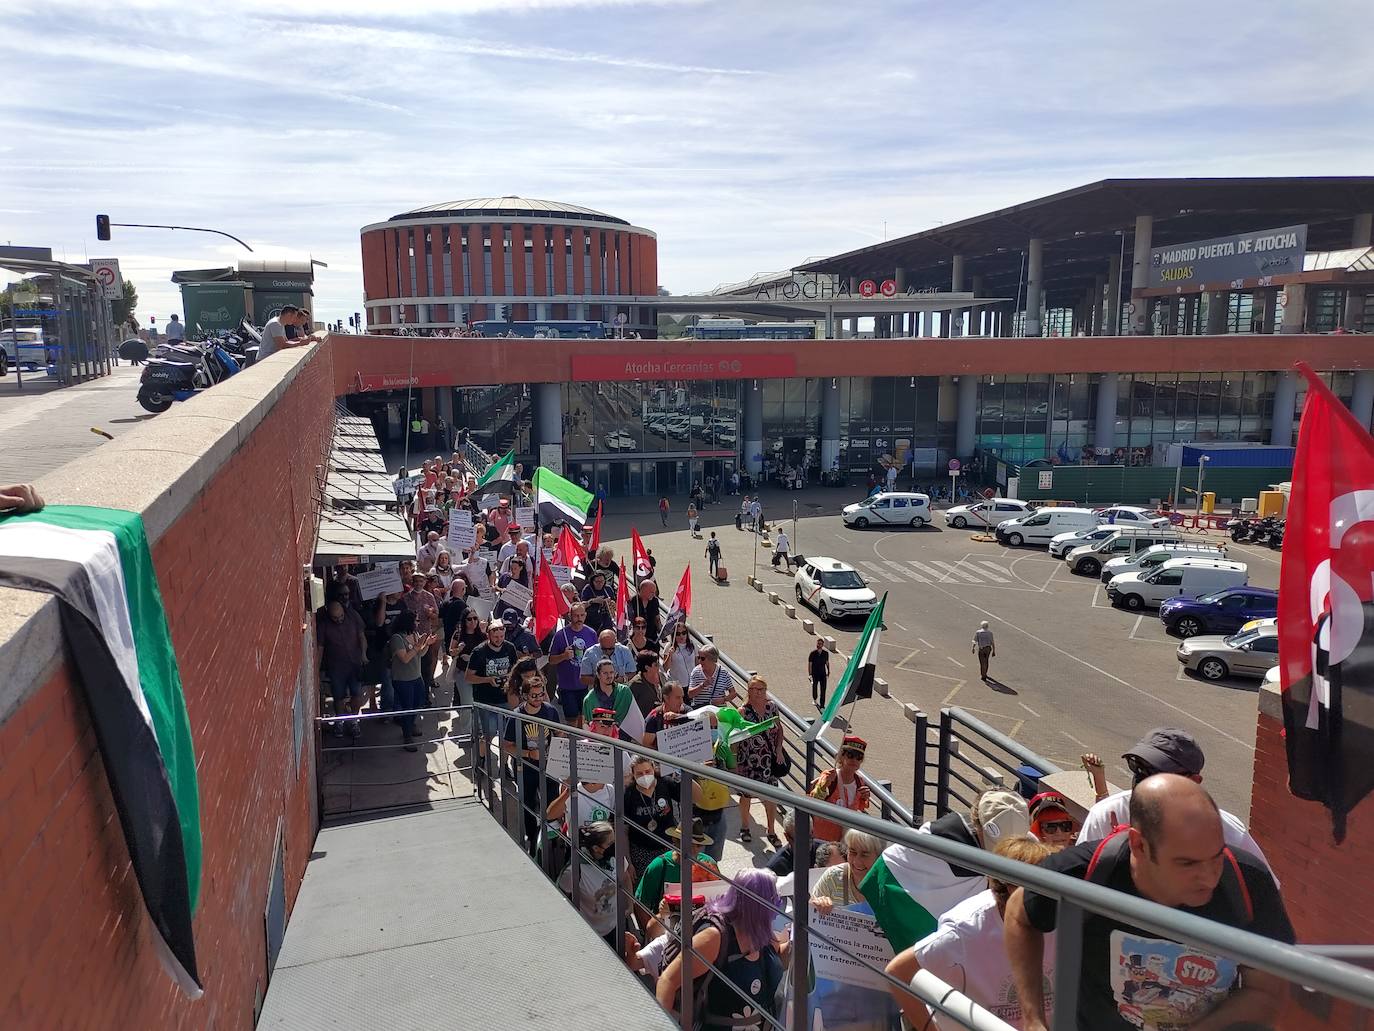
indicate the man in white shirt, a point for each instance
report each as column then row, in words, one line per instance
column 780, row 548
column 1163, row 750
column 274, row 336
column 429, row 553
column 176, row 332
column 892, row 477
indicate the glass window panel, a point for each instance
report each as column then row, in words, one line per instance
column 884, row 388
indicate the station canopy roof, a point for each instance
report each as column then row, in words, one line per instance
column 356, row 460
column 345, row 488
column 362, row 536
column 1083, row 227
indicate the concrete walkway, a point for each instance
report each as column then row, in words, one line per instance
column 44, row 426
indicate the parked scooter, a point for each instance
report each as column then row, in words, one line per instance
column 180, row 371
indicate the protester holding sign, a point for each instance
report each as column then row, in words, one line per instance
column 648, row 808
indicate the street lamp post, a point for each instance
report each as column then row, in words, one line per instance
column 1201, row 465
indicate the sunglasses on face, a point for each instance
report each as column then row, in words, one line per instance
column 852, row 755
column 1057, row 827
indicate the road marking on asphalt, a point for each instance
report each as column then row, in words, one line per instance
column 967, row 563
column 1075, row 740
column 953, row 691
column 935, row 574
column 953, row 570
column 1083, row 662
column 955, row 661
column 911, row 655
column 1097, row 591
column 900, row 627
column 878, row 573
column 996, row 568
column 926, row 643
column 1029, row 709
column 907, row 572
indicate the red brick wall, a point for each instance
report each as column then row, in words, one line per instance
column 1327, row 888
column 77, row 945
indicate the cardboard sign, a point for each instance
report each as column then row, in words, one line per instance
column 857, row 933
column 460, row 537
column 407, row 485
column 524, row 517
column 709, row 889
column 687, row 739
column 385, row 579
column 595, row 762
column 489, row 501
column 516, row 595
column 561, row 574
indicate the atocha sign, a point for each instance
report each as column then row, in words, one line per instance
column 1228, row 261
column 818, row 289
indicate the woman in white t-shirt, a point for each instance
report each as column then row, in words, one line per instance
column 966, row 952
column 596, row 878
column 681, row 656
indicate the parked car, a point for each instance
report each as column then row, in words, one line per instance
column 833, row 588
column 898, row 508
column 1156, row 555
column 985, row 513
column 1089, row 559
column 1043, row 526
column 1251, row 653
column 1221, row 612
column 1132, row 515
column 1061, row 544
column 1176, row 578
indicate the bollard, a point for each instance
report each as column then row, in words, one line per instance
column 790, row 610
column 758, row 586
column 880, row 687
column 809, row 625
column 772, row 597
column 829, row 643
column 750, row 579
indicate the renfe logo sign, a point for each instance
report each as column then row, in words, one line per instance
column 611, row 367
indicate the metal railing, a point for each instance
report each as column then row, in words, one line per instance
column 1075, row 898
column 945, row 773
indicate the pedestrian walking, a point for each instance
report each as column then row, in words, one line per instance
column 984, row 647
column 781, row 547
column 756, row 515
column 663, row 508
column 693, row 521
column 742, row 514
column 713, row 553
column 818, row 666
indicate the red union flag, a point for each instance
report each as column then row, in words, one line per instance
column 1326, row 609
column 622, row 598
column 682, row 603
column 643, row 569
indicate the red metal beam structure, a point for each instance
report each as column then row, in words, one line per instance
column 364, row 363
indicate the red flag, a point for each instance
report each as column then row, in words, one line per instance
column 643, row 570
column 569, row 552
column 1326, row 608
column 546, row 602
column 682, row 603
column 595, row 541
column 622, row 599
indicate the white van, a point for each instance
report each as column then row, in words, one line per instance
column 1176, row 578
column 895, row 508
column 1044, row 525
column 1088, row 559
column 1157, row 554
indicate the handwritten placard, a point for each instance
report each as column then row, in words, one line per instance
column 525, row 518
column 687, row 739
column 460, row 537
column 384, row 579
column 860, row 938
column 561, row 574
column 517, row 595
column 595, row 762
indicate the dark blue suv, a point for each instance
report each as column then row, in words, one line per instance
column 1220, row 612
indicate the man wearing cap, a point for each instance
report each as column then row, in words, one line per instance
column 1172, row 853
column 909, row 889
column 841, row 786
column 1163, row 750
column 667, row 868
column 510, row 547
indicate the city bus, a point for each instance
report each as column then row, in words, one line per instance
column 571, row 329
column 738, row 329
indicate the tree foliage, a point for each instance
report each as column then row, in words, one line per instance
column 123, row 308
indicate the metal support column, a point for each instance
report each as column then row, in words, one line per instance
column 1112, row 326
column 1104, row 429
column 1362, row 397
column 954, row 321
column 1035, row 285
column 1140, row 273
column 1281, row 420
column 753, row 427
column 830, row 422
column 966, row 416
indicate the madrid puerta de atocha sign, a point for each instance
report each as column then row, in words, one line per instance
column 828, row 289
column 1229, row 261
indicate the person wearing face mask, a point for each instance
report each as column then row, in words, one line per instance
column 597, row 877
column 648, row 807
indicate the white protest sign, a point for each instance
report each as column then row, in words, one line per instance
column 687, row 739
column 561, row 574
column 524, row 518
column 857, row 933
column 706, row 889
column 406, row 485
column 517, row 595
column 595, row 762
column 385, row 579
column 485, row 590
column 487, row 501
column 460, row 537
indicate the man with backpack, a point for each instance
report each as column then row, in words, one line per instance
column 1172, row 853
column 713, row 553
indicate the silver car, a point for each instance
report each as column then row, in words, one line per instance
column 1248, row 653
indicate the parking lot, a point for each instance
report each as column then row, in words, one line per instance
column 1071, row 674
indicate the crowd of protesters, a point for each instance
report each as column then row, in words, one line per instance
column 1163, row 840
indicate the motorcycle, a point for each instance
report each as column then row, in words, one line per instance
column 1241, row 529
column 178, row 371
column 1276, row 534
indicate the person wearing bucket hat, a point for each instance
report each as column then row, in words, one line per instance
column 667, row 868
column 1162, row 750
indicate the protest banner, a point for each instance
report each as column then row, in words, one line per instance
column 524, row 518
column 859, row 935
column 687, row 739
column 595, row 762
column 384, row 579
column 517, row 595
column 561, row 574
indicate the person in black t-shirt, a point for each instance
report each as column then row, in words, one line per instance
column 525, row 740
column 818, row 666
column 1173, row 853
column 648, row 806
column 487, row 671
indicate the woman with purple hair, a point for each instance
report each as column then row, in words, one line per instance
column 736, row 936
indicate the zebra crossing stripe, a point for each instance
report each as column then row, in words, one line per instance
column 907, row 572
column 966, row 564
column 996, row 568
column 877, row 572
column 956, row 571
column 934, row 574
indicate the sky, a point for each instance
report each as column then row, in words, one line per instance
column 747, row 135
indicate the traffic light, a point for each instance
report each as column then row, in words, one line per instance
column 102, row 227
column 505, row 313
column 358, row 321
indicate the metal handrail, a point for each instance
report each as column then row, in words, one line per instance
column 1076, row 896
column 885, row 798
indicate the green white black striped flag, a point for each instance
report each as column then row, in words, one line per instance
column 500, row 478
column 857, row 681
column 97, row 563
column 557, row 500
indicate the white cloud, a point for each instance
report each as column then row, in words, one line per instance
column 747, row 134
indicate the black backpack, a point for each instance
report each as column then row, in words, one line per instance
column 713, row 546
column 729, row 954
